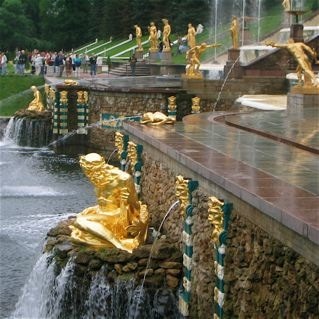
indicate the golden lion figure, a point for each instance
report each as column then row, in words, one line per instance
column 119, row 220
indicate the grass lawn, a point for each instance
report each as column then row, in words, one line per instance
column 15, row 92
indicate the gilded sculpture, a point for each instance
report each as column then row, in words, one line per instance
column 216, row 217
column 36, row 104
column 119, row 143
column 286, row 5
column 119, row 219
column 196, row 104
column 304, row 55
column 181, row 191
column 153, row 37
column 234, row 31
column 172, row 103
column 193, row 59
column 157, row 118
column 166, row 33
column 138, row 34
column 191, row 36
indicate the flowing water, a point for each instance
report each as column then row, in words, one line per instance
column 38, row 188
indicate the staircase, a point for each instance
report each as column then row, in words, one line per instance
column 141, row 69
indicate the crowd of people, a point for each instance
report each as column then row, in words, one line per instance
column 49, row 62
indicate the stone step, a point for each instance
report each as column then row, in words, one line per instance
column 141, row 69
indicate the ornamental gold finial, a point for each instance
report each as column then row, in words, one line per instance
column 80, row 98
column 196, row 104
column 215, row 216
column 181, row 191
column 119, row 143
column 132, row 153
column 64, row 97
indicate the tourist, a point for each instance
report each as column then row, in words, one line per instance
column 61, row 63
column 38, row 64
column 166, row 34
column 68, row 65
column 234, row 31
column 22, row 60
column 77, row 63
column 191, row 36
column 92, row 61
column 133, row 61
column 3, row 63
column 109, row 64
column 84, row 62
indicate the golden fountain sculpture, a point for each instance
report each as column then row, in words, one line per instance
column 120, row 219
column 193, row 59
column 36, row 104
column 304, row 55
column 156, row 118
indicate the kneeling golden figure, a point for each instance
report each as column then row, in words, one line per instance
column 119, row 219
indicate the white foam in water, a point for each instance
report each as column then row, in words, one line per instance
column 43, row 292
column 29, row 191
column 31, row 304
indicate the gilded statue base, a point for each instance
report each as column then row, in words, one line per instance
column 305, row 89
column 193, row 76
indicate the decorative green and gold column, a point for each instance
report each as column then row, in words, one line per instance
column 82, row 108
column 134, row 156
column 63, row 112
column 219, row 216
column 196, row 105
column 172, row 107
column 121, row 143
column 184, row 188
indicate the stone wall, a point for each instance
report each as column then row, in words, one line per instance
column 154, row 266
column 220, row 96
column 263, row 277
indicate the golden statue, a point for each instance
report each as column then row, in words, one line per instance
column 153, row 37
column 304, row 55
column 234, row 31
column 181, row 192
column 166, row 33
column 119, row 219
column 138, row 34
column 157, row 118
column 193, row 58
column 216, row 217
column 191, row 36
column 196, row 104
column 172, row 103
column 36, row 104
column 286, row 4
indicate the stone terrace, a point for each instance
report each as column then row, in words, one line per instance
column 266, row 163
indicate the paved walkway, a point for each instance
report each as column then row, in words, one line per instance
column 277, row 177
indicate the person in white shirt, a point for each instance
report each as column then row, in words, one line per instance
column 3, row 63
